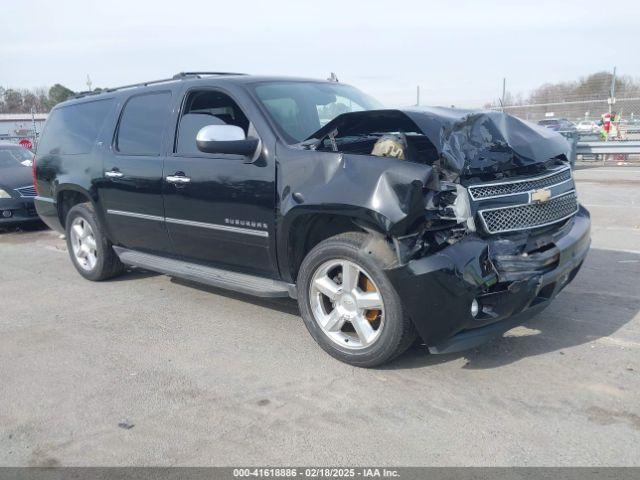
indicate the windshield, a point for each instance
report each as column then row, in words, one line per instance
column 300, row 108
column 10, row 156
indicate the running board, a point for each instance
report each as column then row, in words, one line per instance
column 216, row 277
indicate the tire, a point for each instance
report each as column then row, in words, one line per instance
column 395, row 331
column 105, row 263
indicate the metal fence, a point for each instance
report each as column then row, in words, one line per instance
column 584, row 103
column 578, row 110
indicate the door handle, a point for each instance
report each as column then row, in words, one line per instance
column 114, row 173
column 179, row 179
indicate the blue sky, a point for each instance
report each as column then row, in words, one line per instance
column 456, row 51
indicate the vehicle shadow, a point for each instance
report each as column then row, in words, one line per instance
column 283, row 305
column 133, row 274
column 33, row 226
column 603, row 298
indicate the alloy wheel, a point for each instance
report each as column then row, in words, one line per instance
column 346, row 304
column 83, row 243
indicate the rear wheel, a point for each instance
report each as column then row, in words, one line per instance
column 90, row 251
column 348, row 304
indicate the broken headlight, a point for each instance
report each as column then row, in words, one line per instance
column 450, row 206
column 448, row 219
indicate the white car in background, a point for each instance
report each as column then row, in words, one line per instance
column 587, row 126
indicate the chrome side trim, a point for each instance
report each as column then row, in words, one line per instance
column 143, row 216
column 44, row 199
column 523, row 180
column 191, row 223
column 215, row 226
column 486, row 228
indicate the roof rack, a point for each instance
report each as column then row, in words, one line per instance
column 177, row 76
column 199, row 74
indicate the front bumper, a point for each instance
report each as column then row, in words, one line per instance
column 17, row 210
column 437, row 291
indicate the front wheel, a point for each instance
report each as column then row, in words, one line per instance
column 348, row 304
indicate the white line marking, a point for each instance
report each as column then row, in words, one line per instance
column 624, row 229
column 622, row 170
column 623, row 250
column 598, row 205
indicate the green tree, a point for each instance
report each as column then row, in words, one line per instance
column 12, row 101
column 58, row 93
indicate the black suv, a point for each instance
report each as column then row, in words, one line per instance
column 386, row 225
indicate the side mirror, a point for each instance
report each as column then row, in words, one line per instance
column 226, row 139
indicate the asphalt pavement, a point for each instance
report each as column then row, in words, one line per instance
column 149, row 370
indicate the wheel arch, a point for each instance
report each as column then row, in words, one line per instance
column 302, row 231
column 68, row 196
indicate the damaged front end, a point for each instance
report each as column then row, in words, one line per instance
column 481, row 287
column 481, row 211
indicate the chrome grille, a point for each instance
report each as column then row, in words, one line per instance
column 492, row 190
column 532, row 215
column 28, row 191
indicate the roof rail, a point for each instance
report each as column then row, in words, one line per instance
column 199, row 74
column 177, row 76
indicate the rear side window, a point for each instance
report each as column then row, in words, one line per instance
column 142, row 124
column 73, row 130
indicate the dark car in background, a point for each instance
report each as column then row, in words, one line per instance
column 16, row 186
column 568, row 130
column 558, row 124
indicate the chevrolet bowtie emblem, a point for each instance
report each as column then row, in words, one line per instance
column 541, row 195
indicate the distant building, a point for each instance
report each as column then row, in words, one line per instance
column 20, row 124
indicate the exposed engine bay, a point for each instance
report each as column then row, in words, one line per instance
column 391, row 145
column 468, row 151
column 462, row 142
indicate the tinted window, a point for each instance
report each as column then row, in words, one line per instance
column 72, row 130
column 142, row 124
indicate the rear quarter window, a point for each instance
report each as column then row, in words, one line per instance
column 142, row 124
column 73, row 130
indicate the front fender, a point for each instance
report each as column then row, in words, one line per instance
column 385, row 193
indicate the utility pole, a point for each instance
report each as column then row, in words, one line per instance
column 34, row 128
column 418, row 96
column 612, row 91
column 504, row 92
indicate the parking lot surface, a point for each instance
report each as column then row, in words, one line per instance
column 148, row 370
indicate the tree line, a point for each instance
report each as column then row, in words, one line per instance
column 41, row 100
column 596, row 86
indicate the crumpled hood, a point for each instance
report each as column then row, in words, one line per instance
column 469, row 142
